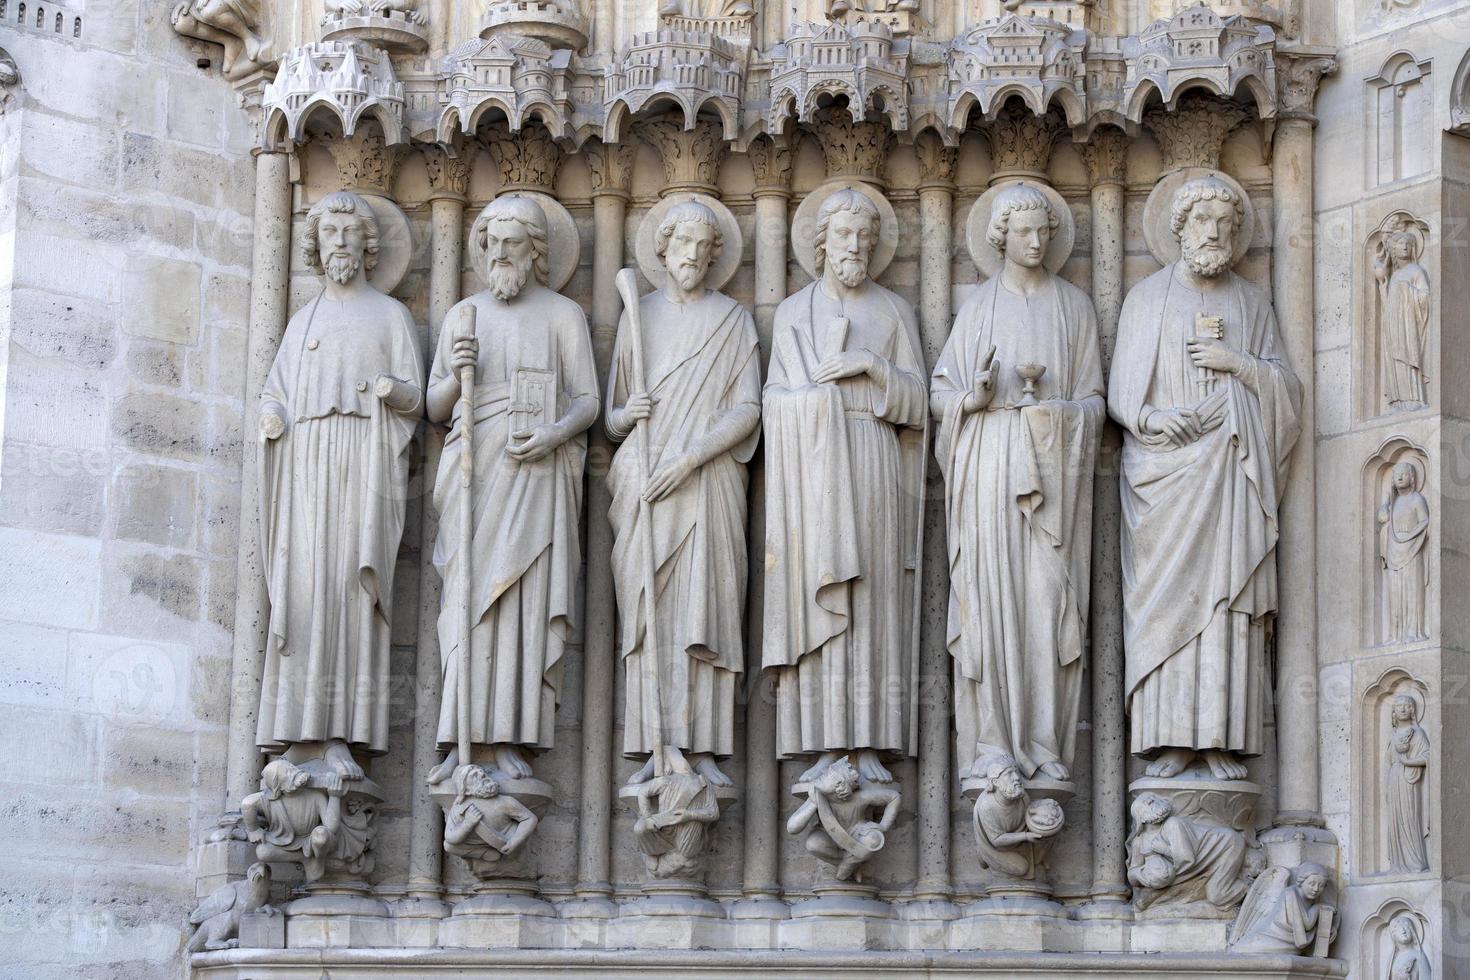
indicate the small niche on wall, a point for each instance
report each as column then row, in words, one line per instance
column 1398, row 525
column 1394, row 762
column 1396, row 937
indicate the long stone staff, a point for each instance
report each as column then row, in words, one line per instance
column 466, row 330
column 627, row 281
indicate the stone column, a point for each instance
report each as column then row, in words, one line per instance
column 1106, row 158
column 772, row 166
column 932, row 889
column 611, row 167
column 269, row 288
column 1292, row 276
column 449, row 174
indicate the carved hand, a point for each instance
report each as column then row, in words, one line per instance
column 983, row 393
column 535, row 442
column 670, row 474
column 638, row 407
column 472, row 814
column 272, row 426
column 1180, row 425
column 465, row 354
column 845, row 364
column 1216, row 355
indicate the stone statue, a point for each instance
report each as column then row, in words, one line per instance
column 217, row 919
column 1175, row 860
column 701, row 370
column 376, row 8
column 1408, row 762
column 837, row 818
column 1019, row 506
column 845, row 406
column 1403, row 532
column 482, row 826
column 1013, row 832
column 1284, row 913
column 1403, row 316
column 1209, row 409
column 235, row 24
column 300, row 817
column 535, row 396
column 1409, row 961
column 675, row 811
column 338, row 411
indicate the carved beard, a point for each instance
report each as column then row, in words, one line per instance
column 506, row 281
column 341, row 269
column 687, row 276
column 851, row 271
column 1205, row 259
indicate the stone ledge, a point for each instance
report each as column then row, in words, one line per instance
column 351, row 964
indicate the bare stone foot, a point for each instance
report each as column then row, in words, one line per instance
column 339, row 756
column 826, row 759
column 643, row 775
column 871, row 769
column 1224, row 765
column 1055, row 770
column 706, row 767
column 1171, row 763
column 511, row 760
column 444, row 769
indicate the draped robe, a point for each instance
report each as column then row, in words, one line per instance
column 844, row 500
column 1199, row 525
column 703, row 369
column 332, row 499
column 1019, row 519
column 527, row 549
column 1405, row 325
column 1401, row 541
column 1408, row 827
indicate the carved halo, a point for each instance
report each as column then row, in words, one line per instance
column 395, row 242
column 723, row 268
column 1156, row 215
column 977, row 227
column 563, row 244
column 804, row 226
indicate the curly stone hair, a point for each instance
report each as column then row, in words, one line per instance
column 339, row 202
column 532, row 218
column 688, row 211
column 1202, row 189
column 1017, row 197
column 849, row 200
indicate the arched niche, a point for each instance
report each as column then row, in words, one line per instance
column 1377, row 602
column 1372, row 728
column 1398, row 98
column 1375, row 954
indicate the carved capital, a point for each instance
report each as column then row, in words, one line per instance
column 1297, row 78
column 1021, row 142
column 1192, row 135
column 366, row 162
column 611, row 166
column 772, row 165
column 1106, row 156
column 449, row 169
column 691, row 157
column 527, row 159
column 854, row 149
column 936, row 161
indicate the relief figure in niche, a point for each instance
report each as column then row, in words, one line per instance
column 845, row 410
column 1409, row 961
column 1210, row 412
column 338, row 411
column 535, row 395
column 1408, row 762
column 1403, row 311
column 1018, row 465
column 700, row 410
column 1402, row 534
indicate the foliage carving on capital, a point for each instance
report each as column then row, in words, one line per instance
column 854, row 149
column 936, row 161
column 235, row 25
column 527, row 159
column 366, row 162
column 1106, row 156
column 691, row 156
column 1297, row 78
column 772, row 165
column 448, row 168
column 1021, row 141
column 610, row 166
column 1193, row 134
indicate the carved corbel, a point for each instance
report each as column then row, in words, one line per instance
column 234, row 24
